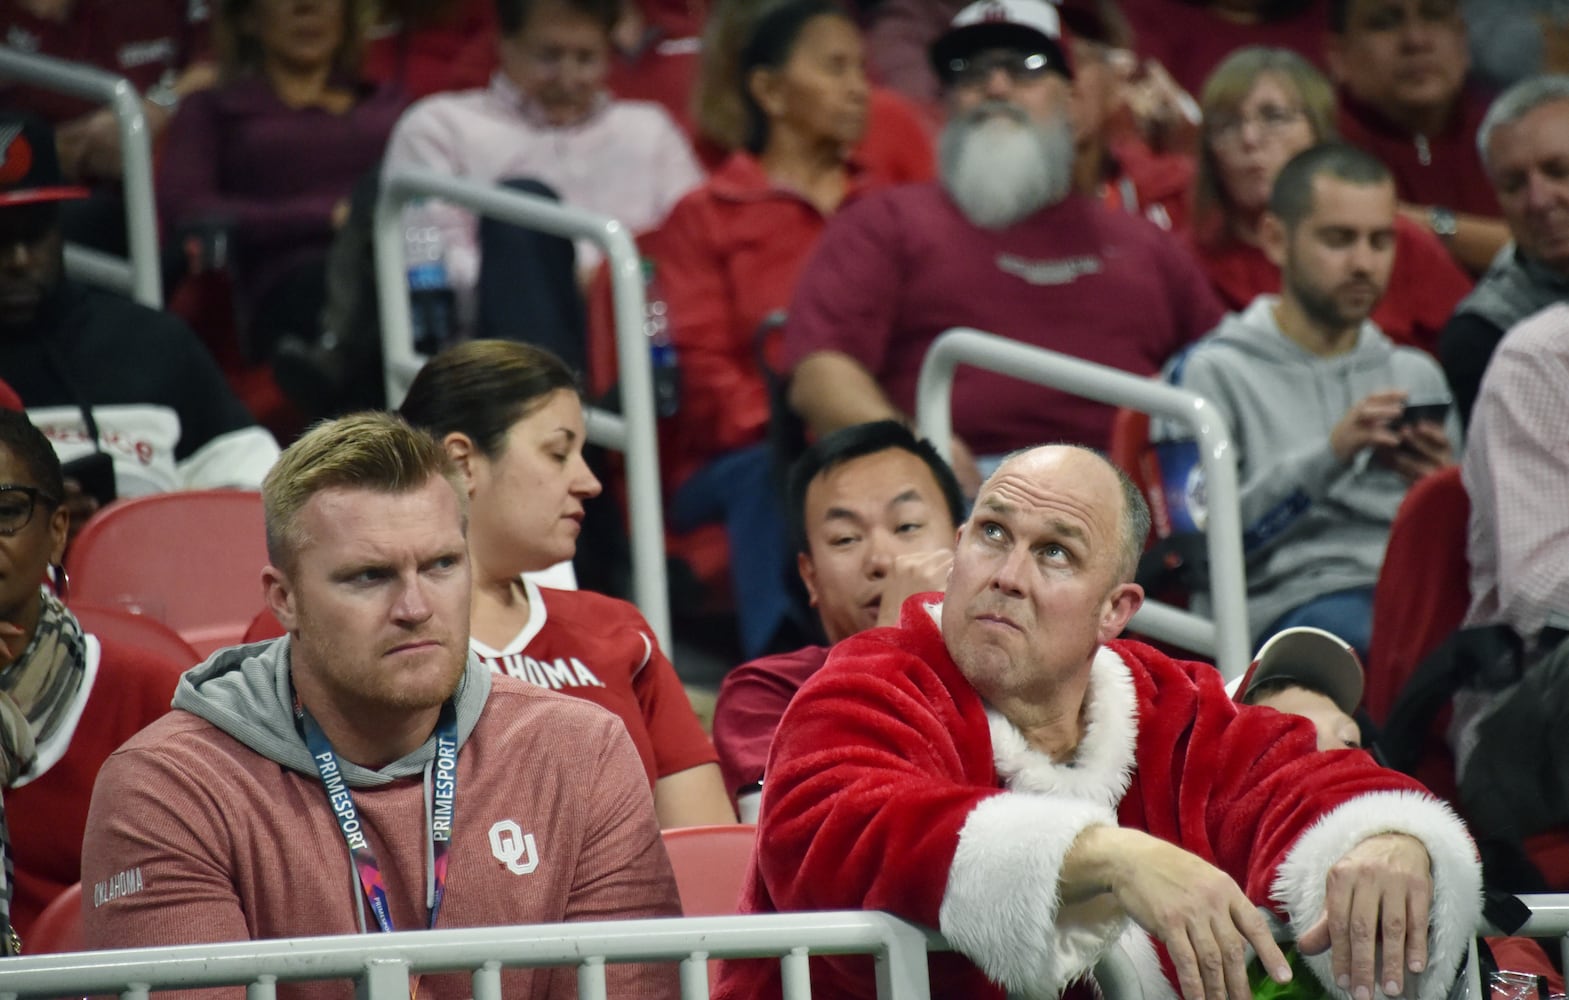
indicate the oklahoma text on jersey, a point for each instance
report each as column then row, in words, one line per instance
column 555, row 674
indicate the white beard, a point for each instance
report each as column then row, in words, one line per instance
column 999, row 167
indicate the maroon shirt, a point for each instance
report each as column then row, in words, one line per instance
column 901, row 266
column 140, row 40
column 240, row 154
column 1443, row 169
column 193, row 837
column 752, row 700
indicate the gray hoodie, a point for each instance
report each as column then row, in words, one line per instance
column 1311, row 525
column 245, row 691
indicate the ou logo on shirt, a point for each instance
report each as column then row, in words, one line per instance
column 513, row 848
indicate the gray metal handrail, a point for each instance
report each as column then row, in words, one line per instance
column 1226, row 637
column 381, row 964
column 139, row 276
column 633, row 432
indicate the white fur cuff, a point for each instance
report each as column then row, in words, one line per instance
column 1000, row 907
column 1457, row 877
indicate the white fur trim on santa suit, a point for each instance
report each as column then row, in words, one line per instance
column 1300, row 884
column 1001, row 905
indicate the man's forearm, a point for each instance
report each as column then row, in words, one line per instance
column 830, row 390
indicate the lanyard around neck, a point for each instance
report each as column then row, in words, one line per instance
column 445, row 789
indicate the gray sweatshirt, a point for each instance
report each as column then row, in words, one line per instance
column 1311, row 525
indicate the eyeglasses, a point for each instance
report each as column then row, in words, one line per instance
column 1021, row 67
column 1270, row 119
column 16, row 506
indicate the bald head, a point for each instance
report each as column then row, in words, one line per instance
column 1069, row 463
column 1040, row 581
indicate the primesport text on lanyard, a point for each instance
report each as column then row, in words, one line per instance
column 445, row 790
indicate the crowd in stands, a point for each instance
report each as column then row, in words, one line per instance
column 1343, row 223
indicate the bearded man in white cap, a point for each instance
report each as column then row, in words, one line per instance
column 1001, row 243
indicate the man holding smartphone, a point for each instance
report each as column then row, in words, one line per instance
column 1332, row 421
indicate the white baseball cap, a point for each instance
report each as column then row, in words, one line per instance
column 1318, row 660
column 1032, row 25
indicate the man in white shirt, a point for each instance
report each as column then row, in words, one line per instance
column 547, row 117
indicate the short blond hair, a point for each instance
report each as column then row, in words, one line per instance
column 367, row 451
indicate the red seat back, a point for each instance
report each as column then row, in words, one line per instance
column 139, row 631
column 1424, row 587
column 710, row 865
column 191, row 560
column 59, row 927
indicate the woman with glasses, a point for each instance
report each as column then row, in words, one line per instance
column 1261, row 107
column 67, row 699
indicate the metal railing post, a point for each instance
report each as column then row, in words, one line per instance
column 140, row 276
column 634, row 431
column 1227, row 637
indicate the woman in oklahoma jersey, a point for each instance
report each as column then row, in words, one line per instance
column 512, row 420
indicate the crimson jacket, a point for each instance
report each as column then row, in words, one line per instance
column 891, row 786
column 728, row 258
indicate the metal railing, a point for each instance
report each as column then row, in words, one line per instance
column 139, row 274
column 381, row 965
column 1226, row 637
column 633, row 431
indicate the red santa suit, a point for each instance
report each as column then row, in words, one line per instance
column 891, row 786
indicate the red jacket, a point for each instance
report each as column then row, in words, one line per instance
column 727, row 259
column 891, row 786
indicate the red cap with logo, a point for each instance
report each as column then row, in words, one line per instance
column 29, row 166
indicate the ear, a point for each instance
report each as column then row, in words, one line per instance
column 278, row 591
column 460, row 448
column 1273, row 237
column 1121, row 603
column 803, row 565
column 59, row 534
column 763, row 84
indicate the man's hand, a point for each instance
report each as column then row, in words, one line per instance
column 1166, row 115
column 912, row 573
column 90, row 146
column 1367, row 424
column 1424, row 448
column 1194, row 908
column 1378, row 896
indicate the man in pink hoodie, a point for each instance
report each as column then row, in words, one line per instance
column 365, row 772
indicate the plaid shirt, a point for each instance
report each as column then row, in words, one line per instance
column 1516, row 472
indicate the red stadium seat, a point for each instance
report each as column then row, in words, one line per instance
column 710, row 866
column 1424, row 588
column 140, row 631
column 59, row 928
column 191, row 560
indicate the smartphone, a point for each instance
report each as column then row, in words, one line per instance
column 1416, row 413
column 94, row 472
